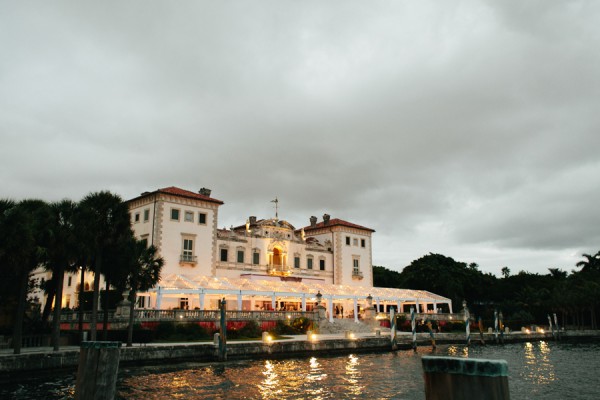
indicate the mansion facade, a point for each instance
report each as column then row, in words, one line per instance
column 182, row 225
column 262, row 264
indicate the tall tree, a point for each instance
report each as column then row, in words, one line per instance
column 23, row 234
column 144, row 273
column 107, row 222
column 591, row 263
column 62, row 255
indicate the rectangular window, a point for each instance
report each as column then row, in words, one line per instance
column 223, row 255
column 144, row 240
column 355, row 242
column 174, row 214
column 296, row 262
column 362, row 243
column 69, row 281
column 309, row 263
column 146, row 215
column 137, row 217
column 322, row 265
column 188, row 216
column 355, row 266
column 240, row 256
column 347, row 240
column 256, row 258
column 183, row 303
column 202, row 218
column 188, row 250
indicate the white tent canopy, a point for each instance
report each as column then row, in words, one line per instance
column 175, row 284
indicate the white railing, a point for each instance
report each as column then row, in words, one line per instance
column 196, row 315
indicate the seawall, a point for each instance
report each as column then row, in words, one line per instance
column 32, row 364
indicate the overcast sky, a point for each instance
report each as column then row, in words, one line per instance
column 466, row 128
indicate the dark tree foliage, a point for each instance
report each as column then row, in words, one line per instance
column 387, row 278
column 524, row 298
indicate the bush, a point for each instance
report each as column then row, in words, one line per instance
column 165, row 330
column 301, row 324
column 282, row 328
column 251, row 330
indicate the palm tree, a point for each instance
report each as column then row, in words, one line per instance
column 591, row 263
column 143, row 275
column 62, row 255
column 24, row 237
column 107, row 221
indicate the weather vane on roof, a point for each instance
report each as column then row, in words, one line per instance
column 276, row 201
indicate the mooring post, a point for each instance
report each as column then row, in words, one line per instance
column 467, row 318
column 501, row 325
column 413, row 325
column 431, row 336
column 496, row 326
column 557, row 327
column 223, row 331
column 465, row 378
column 480, row 323
column 551, row 326
column 97, row 371
column 393, row 329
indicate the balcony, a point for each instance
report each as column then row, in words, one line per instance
column 187, row 258
column 279, row 270
column 357, row 275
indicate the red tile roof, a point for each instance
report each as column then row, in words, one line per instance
column 337, row 222
column 181, row 193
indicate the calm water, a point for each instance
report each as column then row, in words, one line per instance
column 538, row 370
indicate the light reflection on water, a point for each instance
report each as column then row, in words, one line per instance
column 538, row 370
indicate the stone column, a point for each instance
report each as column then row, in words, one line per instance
column 355, row 310
column 201, row 299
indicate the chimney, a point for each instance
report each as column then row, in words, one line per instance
column 313, row 221
column 252, row 220
column 326, row 219
column 205, row 192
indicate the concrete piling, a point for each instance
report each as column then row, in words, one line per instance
column 97, row 371
column 452, row 378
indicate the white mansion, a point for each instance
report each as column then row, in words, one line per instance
column 263, row 264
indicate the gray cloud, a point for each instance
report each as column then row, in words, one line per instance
column 466, row 128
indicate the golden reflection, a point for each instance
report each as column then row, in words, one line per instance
column 465, row 352
column 538, row 366
column 316, row 372
column 269, row 387
column 353, row 376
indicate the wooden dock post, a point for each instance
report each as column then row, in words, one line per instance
column 97, row 371
column 223, row 329
column 453, row 378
